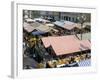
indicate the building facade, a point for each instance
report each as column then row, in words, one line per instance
column 68, row 16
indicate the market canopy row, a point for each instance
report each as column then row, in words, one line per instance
column 70, row 25
column 36, row 26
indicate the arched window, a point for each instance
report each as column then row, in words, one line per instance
column 73, row 19
column 64, row 17
column 69, row 18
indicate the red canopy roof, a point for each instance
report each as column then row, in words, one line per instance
column 66, row 44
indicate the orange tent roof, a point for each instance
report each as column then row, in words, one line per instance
column 66, row 44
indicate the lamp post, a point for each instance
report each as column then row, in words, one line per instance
column 81, row 20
